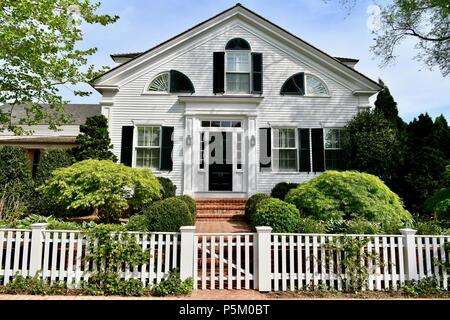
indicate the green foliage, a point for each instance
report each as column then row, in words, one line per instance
column 93, row 140
column 168, row 215
column 110, row 251
column 168, row 188
column 190, row 202
column 102, row 186
column 173, row 286
column 52, row 159
column 53, row 223
column 439, row 202
column 424, row 287
column 138, row 222
column 33, row 286
column 281, row 189
column 373, row 145
column 429, row 227
column 310, row 225
column 354, row 272
column 12, row 206
column 275, row 213
column 252, row 202
column 424, row 164
column 350, row 195
column 15, row 171
column 40, row 51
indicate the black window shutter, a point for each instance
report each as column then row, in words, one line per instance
column 304, row 150
column 218, row 72
column 166, row 148
column 257, row 73
column 265, row 154
column 317, row 150
column 126, row 152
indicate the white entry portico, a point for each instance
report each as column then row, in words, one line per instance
column 220, row 128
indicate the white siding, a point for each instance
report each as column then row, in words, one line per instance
column 130, row 104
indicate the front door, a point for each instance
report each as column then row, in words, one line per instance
column 220, row 161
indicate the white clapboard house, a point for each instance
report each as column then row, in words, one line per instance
column 232, row 106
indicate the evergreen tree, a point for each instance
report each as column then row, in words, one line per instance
column 424, row 163
column 386, row 104
column 443, row 135
column 94, row 141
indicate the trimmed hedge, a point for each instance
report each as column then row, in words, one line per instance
column 190, row 202
column 350, row 195
column 15, row 171
column 250, row 205
column 275, row 213
column 168, row 215
column 281, row 189
column 168, row 188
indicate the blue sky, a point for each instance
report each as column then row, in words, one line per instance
column 324, row 24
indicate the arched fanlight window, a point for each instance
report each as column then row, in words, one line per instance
column 315, row 86
column 237, row 44
column 160, row 83
column 294, row 85
column 172, row 81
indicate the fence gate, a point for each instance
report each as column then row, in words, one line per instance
column 224, row 261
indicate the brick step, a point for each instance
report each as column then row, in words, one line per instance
column 220, row 201
column 220, row 207
column 220, row 218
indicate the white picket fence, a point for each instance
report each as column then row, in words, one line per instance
column 262, row 260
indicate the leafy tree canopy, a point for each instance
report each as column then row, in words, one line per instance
column 39, row 52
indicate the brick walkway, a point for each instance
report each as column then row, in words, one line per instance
column 221, row 226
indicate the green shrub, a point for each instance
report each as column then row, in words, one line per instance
column 51, row 160
column 15, row 172
column 439, row 205
column 12, row 206
column 430, row 227
column 350, row 195
column 361, row 226
column 310, row 225
column 168, row 188
column 252, row 202
column 168, row 215
column 103, row 187
column 173, row 285
column 53, row 223
column 109, row 283
column 275, row 213
column 190, row 202
column 424, row 287
column 138, row 222
column 33, row 286
column 281, row 189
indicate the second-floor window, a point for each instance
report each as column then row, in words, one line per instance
column 237, row 72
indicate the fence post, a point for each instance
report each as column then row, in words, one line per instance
column 409, row 252
column 187, row 252
column 264, row 257
column 37, row 238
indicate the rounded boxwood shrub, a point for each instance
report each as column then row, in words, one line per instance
column 349, row 195
column 103, row 187
column 190, row 202
column 250, row 204
column 168, row 188
column 281, row 189
column 168, row 215
column 275, row 213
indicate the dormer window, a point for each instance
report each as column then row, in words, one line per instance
column 237, row 66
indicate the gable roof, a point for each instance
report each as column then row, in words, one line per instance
column 239, row 8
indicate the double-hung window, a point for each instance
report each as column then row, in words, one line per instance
column 148, row 147
column 238, row 68
column 333, row 148
column 284, row 149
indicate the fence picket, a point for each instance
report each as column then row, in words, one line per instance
column 213, row 261
column 443, row 260
column 299, row 263
column 247, row 261
column 230, row 262
column 283, row 264
column 204, row 265
column 151, row 265
column 221, row 262
column 436, row 258
column 291, row 263
column 62, row 260
column 377, row 268
column 238, row 262
column 195, row 262
column 17, row 243
column 307, row 263
column 427, row 257
column 159, row 258
column 314, row 260
column 78, row 259
column 26, row 244
column 275, row 263
column 70, row 261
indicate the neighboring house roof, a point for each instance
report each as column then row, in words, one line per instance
column 239, row 8
column 79, row 112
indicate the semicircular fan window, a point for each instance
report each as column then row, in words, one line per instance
column 315, row 86
column 160, row 83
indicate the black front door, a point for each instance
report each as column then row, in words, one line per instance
column 220, row 161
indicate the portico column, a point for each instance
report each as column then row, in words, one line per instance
column 188, row 145
column 252, row 159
